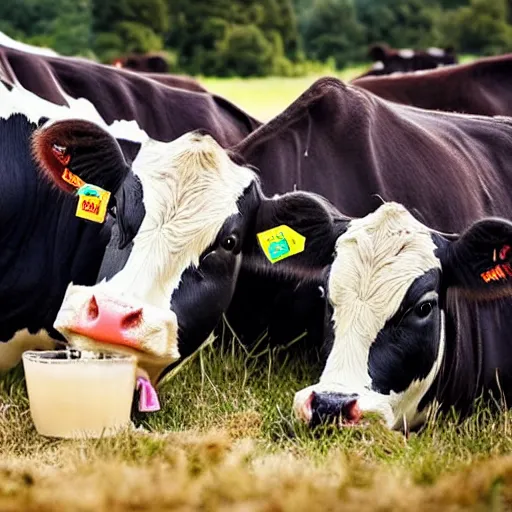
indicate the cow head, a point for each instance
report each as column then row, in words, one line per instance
column 387, row 292
column 185, row 213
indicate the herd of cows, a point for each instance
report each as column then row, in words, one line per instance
column 372, row 215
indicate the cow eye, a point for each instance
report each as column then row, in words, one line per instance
column 424, row 309
column 229, row 243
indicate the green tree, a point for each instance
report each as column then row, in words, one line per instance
column 480, row 27
column 331, row 29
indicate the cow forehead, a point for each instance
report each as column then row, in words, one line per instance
column 377, row 260
column 190, row 188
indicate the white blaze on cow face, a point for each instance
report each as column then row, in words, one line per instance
column 190, row 188
column 377, row 260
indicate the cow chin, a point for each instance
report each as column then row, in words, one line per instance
column 92, row 319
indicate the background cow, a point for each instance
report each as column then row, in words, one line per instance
column 414, row 316
column 479, row 87
column 150, row 63
column 388, row 60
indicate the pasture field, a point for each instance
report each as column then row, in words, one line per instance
column 226, row 440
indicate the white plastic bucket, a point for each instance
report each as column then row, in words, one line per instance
column 75, row 394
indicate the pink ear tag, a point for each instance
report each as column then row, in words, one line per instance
column 148, row 400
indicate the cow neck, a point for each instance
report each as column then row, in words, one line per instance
column 43, row 245
column 476, row 361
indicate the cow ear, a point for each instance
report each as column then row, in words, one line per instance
column 130, row 209
column 479, row 261
column 298, row 224
column 378, row 52
column 74, row 148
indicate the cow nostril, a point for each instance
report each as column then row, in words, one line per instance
column 132, row 320
column 336, row 408
column 350, row 411
column 92, row 309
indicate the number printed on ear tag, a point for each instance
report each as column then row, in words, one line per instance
column 281, row 242
column 92, row 203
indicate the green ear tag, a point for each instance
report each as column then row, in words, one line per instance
column 280, row 243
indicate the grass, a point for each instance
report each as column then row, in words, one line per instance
column 226, row 440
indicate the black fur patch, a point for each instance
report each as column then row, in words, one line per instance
column 406, row 348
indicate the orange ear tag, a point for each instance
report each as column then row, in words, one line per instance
column 92, row 203
column 72, row 179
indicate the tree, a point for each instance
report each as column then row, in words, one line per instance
column 480, row 27
column 331, row 29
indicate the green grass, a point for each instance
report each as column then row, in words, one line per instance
column 226, row 439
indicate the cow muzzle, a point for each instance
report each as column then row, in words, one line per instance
column 91, row 318
column 317, row 408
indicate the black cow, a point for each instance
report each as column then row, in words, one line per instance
column 388, row 60
column 414, row 316
column 480, row 87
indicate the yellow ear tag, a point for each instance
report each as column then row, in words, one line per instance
column 72, row 179
column 92, row 203
column 280, row 243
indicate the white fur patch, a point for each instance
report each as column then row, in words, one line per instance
column 406, row 53
column 436, row 52
column 378, row 65
column 377, row 260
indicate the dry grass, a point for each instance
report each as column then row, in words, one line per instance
column 226, row 440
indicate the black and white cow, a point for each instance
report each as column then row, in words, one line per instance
column 184, row 215
column 414, row 316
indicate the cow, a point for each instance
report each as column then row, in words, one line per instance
column 150, row 63
column 479, row 87
column 184, row 201
column 355, row 150
column 351, row 162
column 416, row 320
column 388, row 60
column 112, row 94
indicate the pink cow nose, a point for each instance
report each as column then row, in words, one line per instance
column 110, row 321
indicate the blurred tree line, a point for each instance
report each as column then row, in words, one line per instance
column 256, row 37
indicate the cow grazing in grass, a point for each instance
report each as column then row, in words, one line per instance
column 414, row 316
column 479, row 87
column 389, row 60
column 112, row 94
